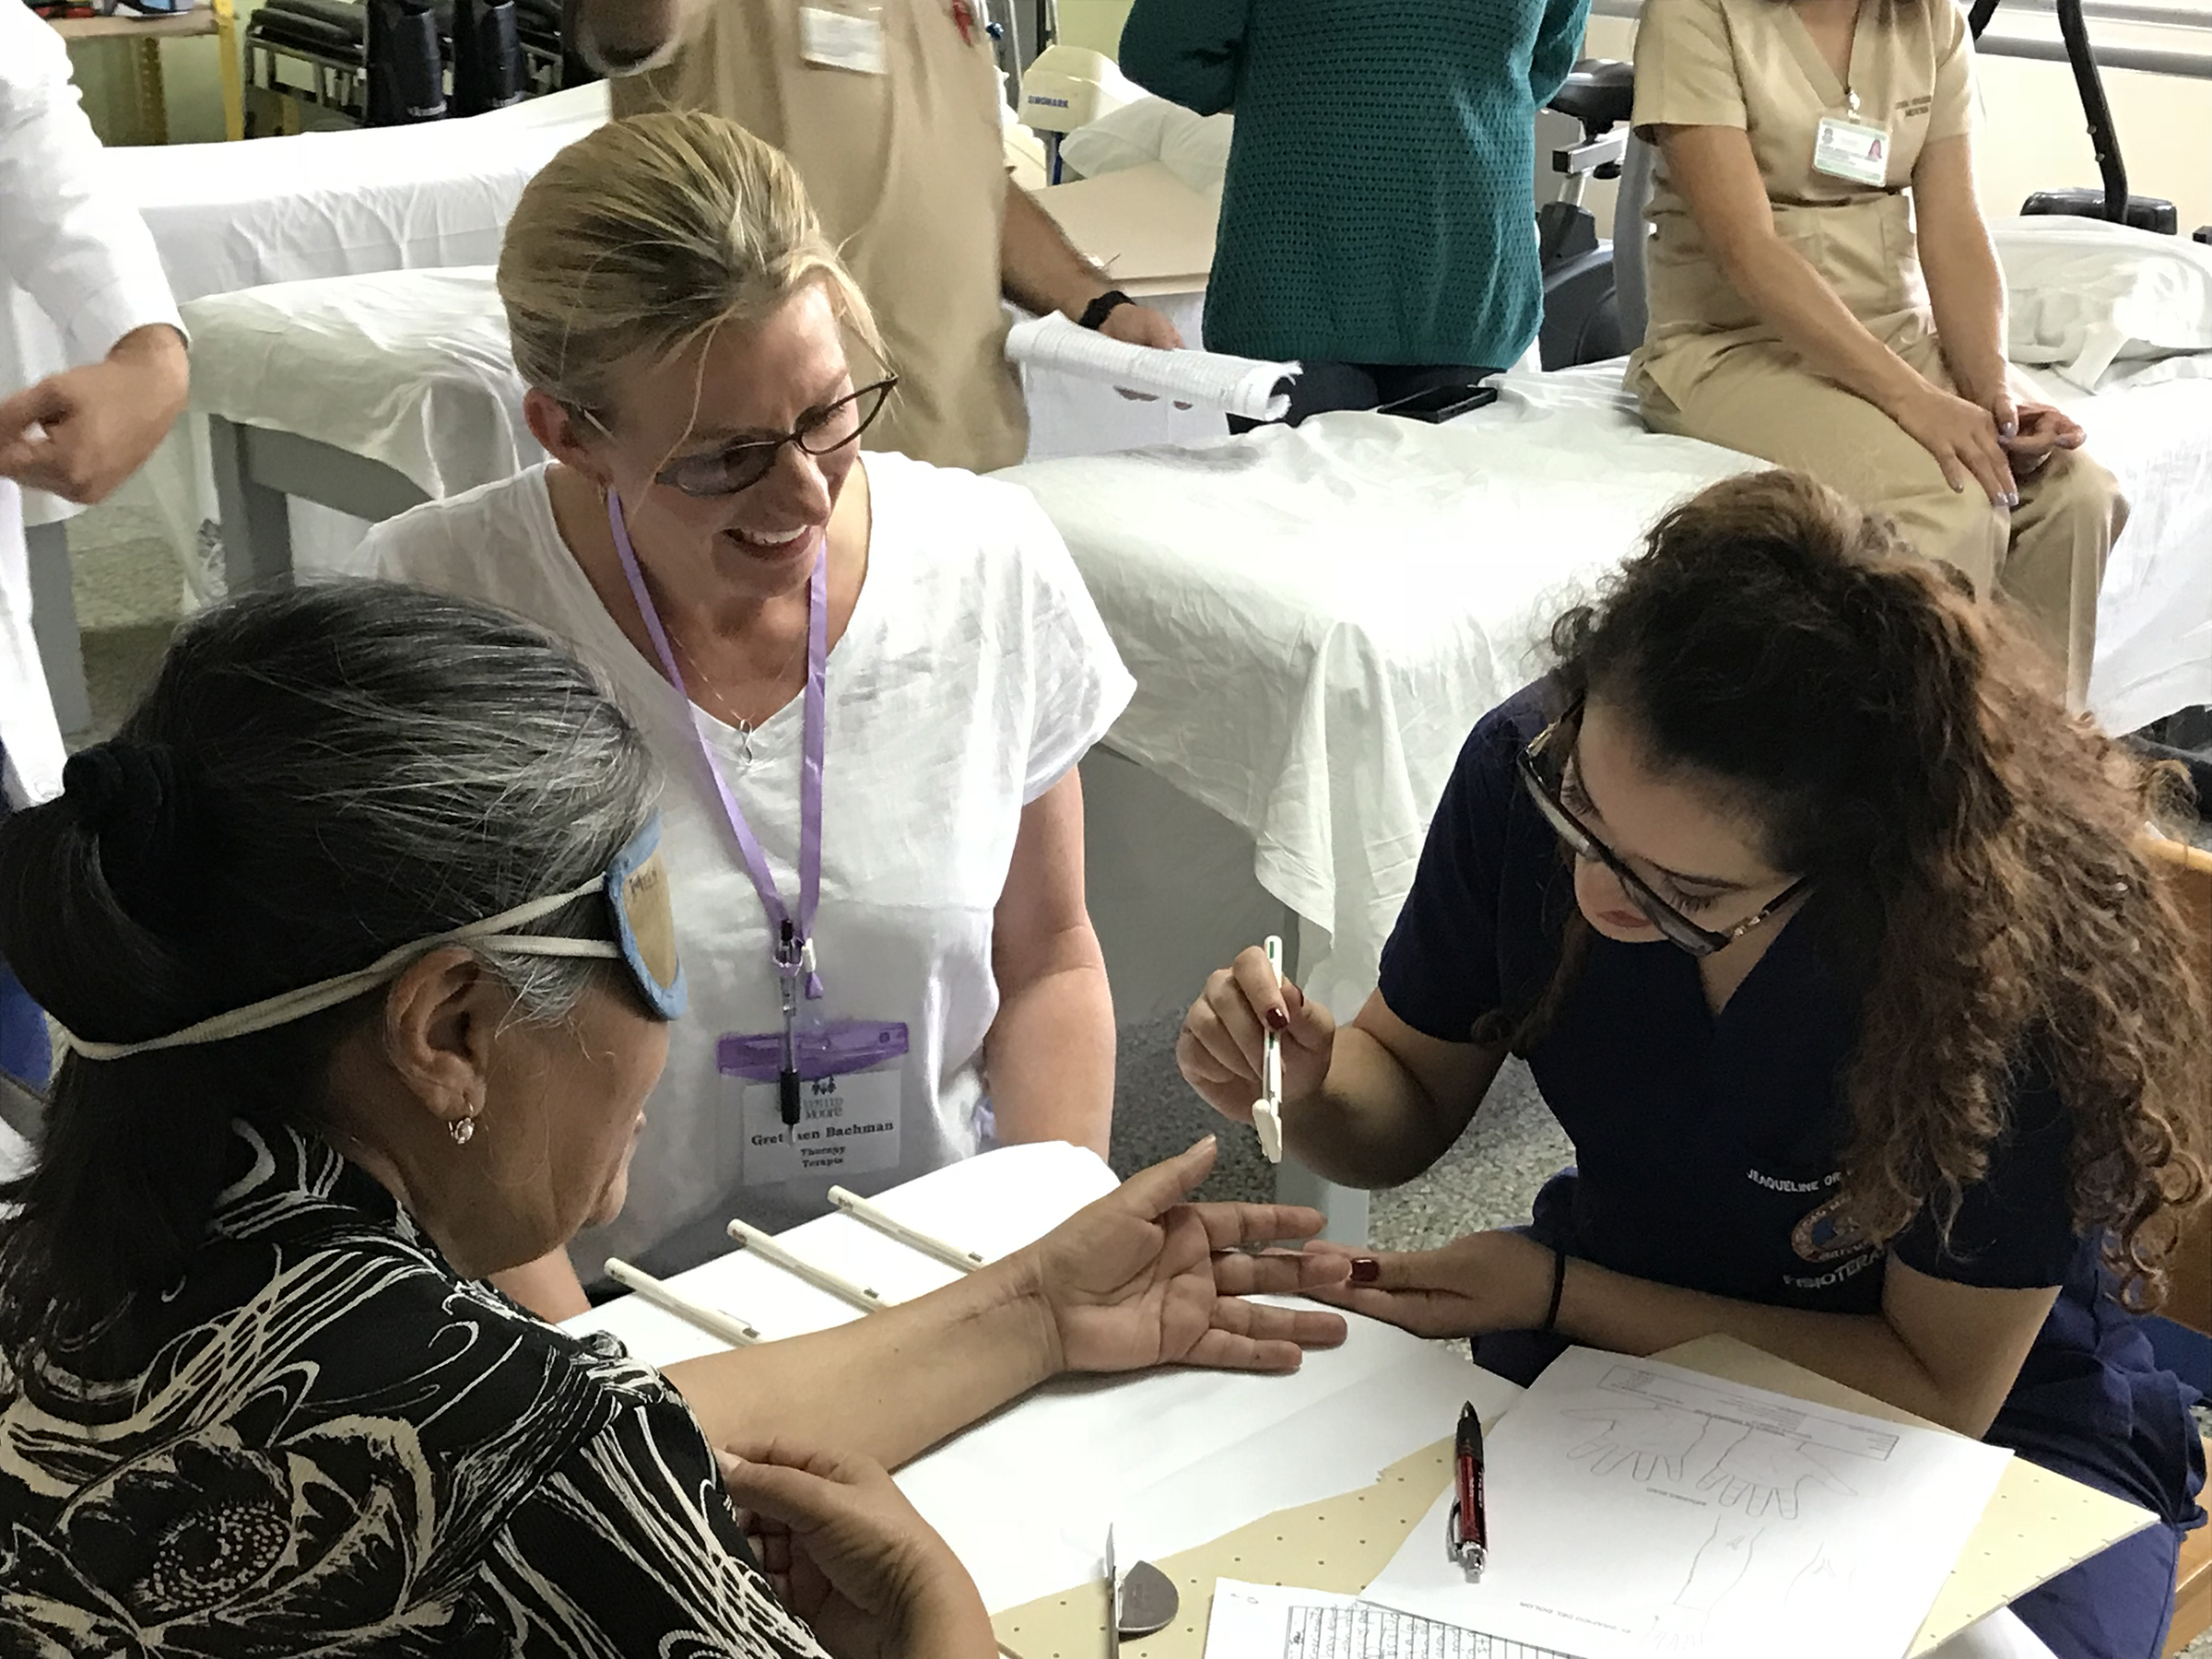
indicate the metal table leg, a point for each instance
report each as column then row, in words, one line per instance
column 54, row 624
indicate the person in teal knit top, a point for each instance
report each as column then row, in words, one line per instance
column 1377, row 221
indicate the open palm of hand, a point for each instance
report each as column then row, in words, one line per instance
column 1143, row 1278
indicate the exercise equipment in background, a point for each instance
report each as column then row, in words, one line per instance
column 1582, row 321
column 320, row 62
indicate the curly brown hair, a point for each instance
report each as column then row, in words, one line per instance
column 1977, row 853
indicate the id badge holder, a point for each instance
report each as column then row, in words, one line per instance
column 843, row 34
column 1856, row 151
column 849, row 1081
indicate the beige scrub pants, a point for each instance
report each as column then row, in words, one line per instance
column 2047, row 555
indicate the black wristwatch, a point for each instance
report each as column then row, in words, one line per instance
column 1098, row 310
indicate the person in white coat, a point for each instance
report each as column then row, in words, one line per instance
column 87, row 258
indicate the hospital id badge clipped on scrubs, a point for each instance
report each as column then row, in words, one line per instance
column 1851, row 150
column 844, row 1078
column 843, row 34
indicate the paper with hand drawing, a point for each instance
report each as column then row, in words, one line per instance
column 1637, row 1508
column 1206, row 380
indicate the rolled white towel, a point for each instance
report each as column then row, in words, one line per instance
column 1206, row 380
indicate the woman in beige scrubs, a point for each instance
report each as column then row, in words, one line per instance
column 1823, row 293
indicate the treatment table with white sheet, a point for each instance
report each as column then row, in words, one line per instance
column 1170, row 1458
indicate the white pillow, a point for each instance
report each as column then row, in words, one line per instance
column 2083, row 294
column 1194, row 147
column 1195, row 150
column 1120, row 139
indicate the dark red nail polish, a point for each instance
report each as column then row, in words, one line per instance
column 1279, row 1018
column 1366, row 1270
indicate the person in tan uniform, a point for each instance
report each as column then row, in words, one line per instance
column 889, row 110
column 1823, row 292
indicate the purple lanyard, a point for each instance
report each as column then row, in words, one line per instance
column 791, row 942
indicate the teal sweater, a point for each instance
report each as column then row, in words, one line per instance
column 1378, row 205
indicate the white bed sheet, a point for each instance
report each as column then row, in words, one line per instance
column 407, row 368
column 2151, row 424
column 235, row 216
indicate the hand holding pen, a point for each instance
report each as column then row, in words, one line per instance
column 1222, row 1049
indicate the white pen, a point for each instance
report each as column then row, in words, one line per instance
column 1267, row 1111
column 821, row 1278
column 861, row 1210
column 712, row 1321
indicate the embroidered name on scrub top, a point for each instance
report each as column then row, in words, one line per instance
column 843, row 34
column 817, row 1098
column 1846, row 147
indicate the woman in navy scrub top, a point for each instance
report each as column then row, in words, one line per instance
column 1826, row 936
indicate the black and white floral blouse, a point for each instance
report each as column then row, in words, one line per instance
column 322, row 1442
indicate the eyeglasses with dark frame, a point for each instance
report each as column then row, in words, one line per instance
column 740, row 467
column 1678, row 928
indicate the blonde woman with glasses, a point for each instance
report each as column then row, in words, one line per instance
column 868, row 682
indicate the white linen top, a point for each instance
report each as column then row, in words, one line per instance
column 973, row 674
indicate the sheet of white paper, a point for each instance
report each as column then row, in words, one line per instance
column 1277, row 1621
column 1204, row 379
column 1193, row 1454
column 1638, row 1507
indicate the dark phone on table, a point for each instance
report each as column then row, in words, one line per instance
column 1441, row 403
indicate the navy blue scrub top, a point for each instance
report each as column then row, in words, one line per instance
column 1706, row 1147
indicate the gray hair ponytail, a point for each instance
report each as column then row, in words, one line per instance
column 317, row 777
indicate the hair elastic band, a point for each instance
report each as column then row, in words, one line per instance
column 634, row 886
column 1558, row 1288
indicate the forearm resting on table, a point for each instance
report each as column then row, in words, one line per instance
column 889, row 1385
column 1049, row 1057
column 1867, row 1352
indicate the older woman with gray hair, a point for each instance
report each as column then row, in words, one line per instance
column 361, row 935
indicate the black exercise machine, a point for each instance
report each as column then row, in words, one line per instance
column 2111, row 202
column 1582, row 321
column 387, row 63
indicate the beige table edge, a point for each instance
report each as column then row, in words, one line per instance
column 2037, row 1525
column 1149, row 232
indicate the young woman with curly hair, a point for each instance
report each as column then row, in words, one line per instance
column 1830, row 941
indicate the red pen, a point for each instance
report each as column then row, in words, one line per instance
column 1467, row 1526
column 965, row 19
